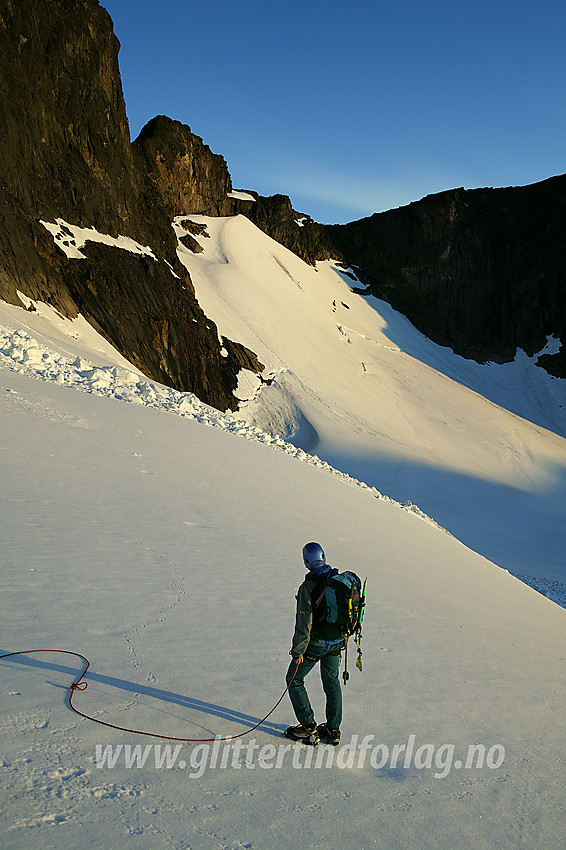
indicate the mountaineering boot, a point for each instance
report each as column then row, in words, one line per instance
column 307, row 734
column 328, row 735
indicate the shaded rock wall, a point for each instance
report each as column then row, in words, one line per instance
column 276, row 217
column 188, row 177
column 481, row 271
column 65, row 152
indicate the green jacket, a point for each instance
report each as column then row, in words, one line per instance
column 305, row 635
column 303, row 619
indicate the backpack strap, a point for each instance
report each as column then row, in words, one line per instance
column 317, row 595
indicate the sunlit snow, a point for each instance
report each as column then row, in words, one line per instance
column 480, row 448
column 70, row 239
column 161, row 538
column 168, row 553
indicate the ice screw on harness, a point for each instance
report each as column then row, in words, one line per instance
column 357, row 631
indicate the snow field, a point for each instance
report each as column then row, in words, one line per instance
column 169, row 555
column 480, row 448
column 22, row 353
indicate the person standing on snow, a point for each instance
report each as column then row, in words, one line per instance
column 308, row 649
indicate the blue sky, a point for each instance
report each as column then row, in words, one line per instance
column 355, row 107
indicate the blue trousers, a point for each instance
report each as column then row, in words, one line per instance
column 329, row 666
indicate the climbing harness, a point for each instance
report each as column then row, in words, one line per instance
column 80, row 685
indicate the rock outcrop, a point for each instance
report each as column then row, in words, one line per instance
column 65, row 153
column 297, row 231
column 481, row 271
column 188, row 177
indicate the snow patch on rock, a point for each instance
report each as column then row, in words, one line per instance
column 70, row 238
column 241, row 196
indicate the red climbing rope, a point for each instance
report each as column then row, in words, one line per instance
column 80, row 685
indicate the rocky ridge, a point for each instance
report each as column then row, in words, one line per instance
column 480, row 270
column 65, row 153
column 477, row 270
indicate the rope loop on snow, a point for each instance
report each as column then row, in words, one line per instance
column 81, row 685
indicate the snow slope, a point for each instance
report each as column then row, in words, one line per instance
column 168, row 553
column 73, row 354
column 481, row 449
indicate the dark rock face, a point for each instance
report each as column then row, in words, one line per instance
column 163, row 329
column 64, row 136
column 186, row 174
column 480, row 271
column 276, row 217
column 65, row 153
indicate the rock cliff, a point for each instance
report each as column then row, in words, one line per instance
column 481, row 271
column 65, row 153
column 297, row 231
column 184, row 172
